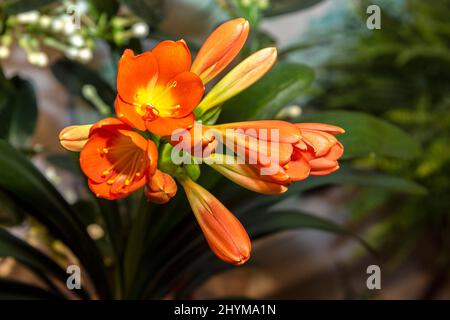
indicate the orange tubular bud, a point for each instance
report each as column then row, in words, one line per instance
column 241, row 77
column 224, row 233
column 73, row 138
column 221, row 47
column 248, row 176
column 161, row 187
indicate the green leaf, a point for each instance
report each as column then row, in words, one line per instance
column 10, row 213
column 33, row 193
column 277, row 7
column 18, row 6
column 361, row 178
column 14, row 290
column 18, row 113
column 275, row 90
column 196, row 271
column 367, row 135
column 281, row 220
column 11, row 246
column 75, row 76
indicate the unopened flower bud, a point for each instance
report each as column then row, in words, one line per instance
column 73, row 138
column 160, row 188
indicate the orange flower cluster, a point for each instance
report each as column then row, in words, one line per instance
column 158, row 92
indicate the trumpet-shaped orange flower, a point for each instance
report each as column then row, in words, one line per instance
column 224, row 233
column 160, row 188
column 117, row 160
column 156, row 90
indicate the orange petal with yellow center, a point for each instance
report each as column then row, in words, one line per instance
column 179, row 97
column 220, row 48
column 173, row 58
column 136, row 74
column 128, row 114
column 104, row 190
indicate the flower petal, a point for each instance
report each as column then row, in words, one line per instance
column 180, row 96
column 246, row 176
column 115, row 159
column 173, row 58
column 135, row 74
column 320, row 127
column 127, row 113
column 324, row 172
column 281, row 131
column 298, row 169
column 321, row 142
column 166, row 126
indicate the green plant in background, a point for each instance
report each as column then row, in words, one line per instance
column 400, row 73
column 152, row 251
column 70, row 27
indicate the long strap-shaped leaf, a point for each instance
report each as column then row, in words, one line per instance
column 197, row 270
column 13, row 290
column 36, row 195
column 11, row 246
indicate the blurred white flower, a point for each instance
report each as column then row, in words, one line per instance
column 45, row 21
column 76, row 40
column 69, row 27
column 71, row 53
column 4, row 52
column 140, row 29
column 28, row 17
column 290, row 112
column 82, row 7
column 58, row 24
column 85, row 54
column 39, row 59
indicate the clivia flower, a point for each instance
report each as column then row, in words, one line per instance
column 117, row 160
column 161, row 91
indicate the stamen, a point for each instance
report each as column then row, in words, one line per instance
column 105, row 173
column 149, row 112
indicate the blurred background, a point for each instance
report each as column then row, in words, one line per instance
column 388, row 87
